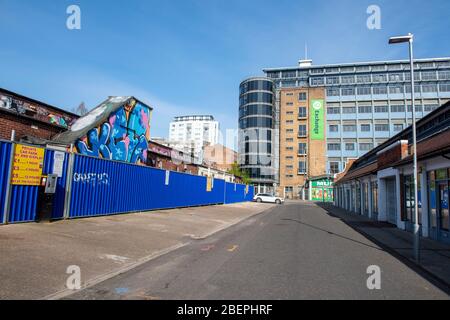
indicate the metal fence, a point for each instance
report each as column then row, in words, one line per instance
column 91, row 186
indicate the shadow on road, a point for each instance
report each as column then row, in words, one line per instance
column 357, row 223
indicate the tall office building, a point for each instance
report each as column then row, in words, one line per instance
column 365, row 103
column 192, row 133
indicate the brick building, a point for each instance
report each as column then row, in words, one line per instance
column 167, row 158
column 29, row 117
column 219, row 157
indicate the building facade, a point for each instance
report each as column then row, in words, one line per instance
column 367, row 103
column 258, row 138
column 219, row 157
column 379, row 185
column 193, row 133
column 302, row 134
column 31, row 118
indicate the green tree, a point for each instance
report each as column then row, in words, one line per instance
column 238, row 172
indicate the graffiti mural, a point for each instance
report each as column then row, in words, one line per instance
column 34, row 111
column 124, row 136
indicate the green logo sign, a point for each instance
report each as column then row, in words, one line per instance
column 317, row 119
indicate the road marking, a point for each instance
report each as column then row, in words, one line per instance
column 207, row 248
column 233, row 248
column 114, row 258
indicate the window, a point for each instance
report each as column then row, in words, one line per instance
column 379, row 78
column 444, row 87
column 362, row 68
column 302, row 149
column 316, row 71
column 381, row 109
column 379, row 68
column 444, row 75
column 365, row 146
column 334, row 167
column 397, row 108
column 289, row 121
column 396, row 77
column 364, row 91
column 289, row 176
column 289, row 139
column 348, row 110
column 302, row 96
column 333, row 110
column 349, row 128
column 380, row 89
column 289, row 148
column 290, row 113
column 289, row 130
column 334, row 147
column 365, row 128
column 381, row 127
column 334, row 128
column 289, row 94
column 350, row 147
column 348, row 91
column 365, row 78
column 302, row 112
column 429, row 88
column 429, row 75
column 302, row 167
column 348, row 79
column 332, row 80
column 398, row 127
column 395, row 89
column 302, row 130
column 317, row 81
column 289, row 158
column 430, row 107
column 333, row 92
column 288, row 74
column 365, row 109
column 289, row 167
column 289, row 103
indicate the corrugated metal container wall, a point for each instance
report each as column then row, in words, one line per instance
column 102, row 187
column 58, row 202
column 237, row 193
column 5, row 154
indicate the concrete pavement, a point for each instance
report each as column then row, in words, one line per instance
column 34, row 257
column 295, row 251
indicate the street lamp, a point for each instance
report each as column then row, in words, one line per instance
column 395, row 40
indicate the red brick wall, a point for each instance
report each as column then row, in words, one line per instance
column 9, row 122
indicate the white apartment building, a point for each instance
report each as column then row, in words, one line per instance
column 191, row 133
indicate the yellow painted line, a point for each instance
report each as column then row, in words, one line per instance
column 233, row 248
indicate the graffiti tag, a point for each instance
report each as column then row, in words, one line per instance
column 93, row 179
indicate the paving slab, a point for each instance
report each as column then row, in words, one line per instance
column 34, row 257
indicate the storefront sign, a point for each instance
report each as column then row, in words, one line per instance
column 27, row 167
column 317, row 119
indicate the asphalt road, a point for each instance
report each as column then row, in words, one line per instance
column 293, row 251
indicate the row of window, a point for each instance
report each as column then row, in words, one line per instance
column 255, row 109
column 363, row 146
column 255, row 122
column 391, row 89
column 256, row 85
column 366, row 127
column 302, row 148
column 256, row 97
column 351, row 69
column 381, row 109
column 380, row 78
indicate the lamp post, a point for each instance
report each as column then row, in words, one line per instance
column 395, row 40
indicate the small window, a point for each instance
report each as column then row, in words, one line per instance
column 365, row 128
column 302, row 96
column 350, row 147
column 302, row 112
column 334, row 128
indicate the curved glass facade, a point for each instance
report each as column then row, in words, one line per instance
column 256, row 125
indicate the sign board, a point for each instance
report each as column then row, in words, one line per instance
column 209, row 184
column 317, row 112
column 58, row 163
column 27, row 166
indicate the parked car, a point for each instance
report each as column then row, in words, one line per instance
column 269, row 198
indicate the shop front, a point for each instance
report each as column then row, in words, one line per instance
column 321, row 189
column 438, row 189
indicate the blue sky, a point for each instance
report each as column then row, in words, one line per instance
column 189, row 56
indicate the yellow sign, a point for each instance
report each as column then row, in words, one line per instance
column 208, row 184
column 27, row 166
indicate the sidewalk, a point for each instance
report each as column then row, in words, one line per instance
column 435, row 256
column 34, row 257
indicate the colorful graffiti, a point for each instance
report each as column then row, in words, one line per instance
column 34, row 111
column 123, row 137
